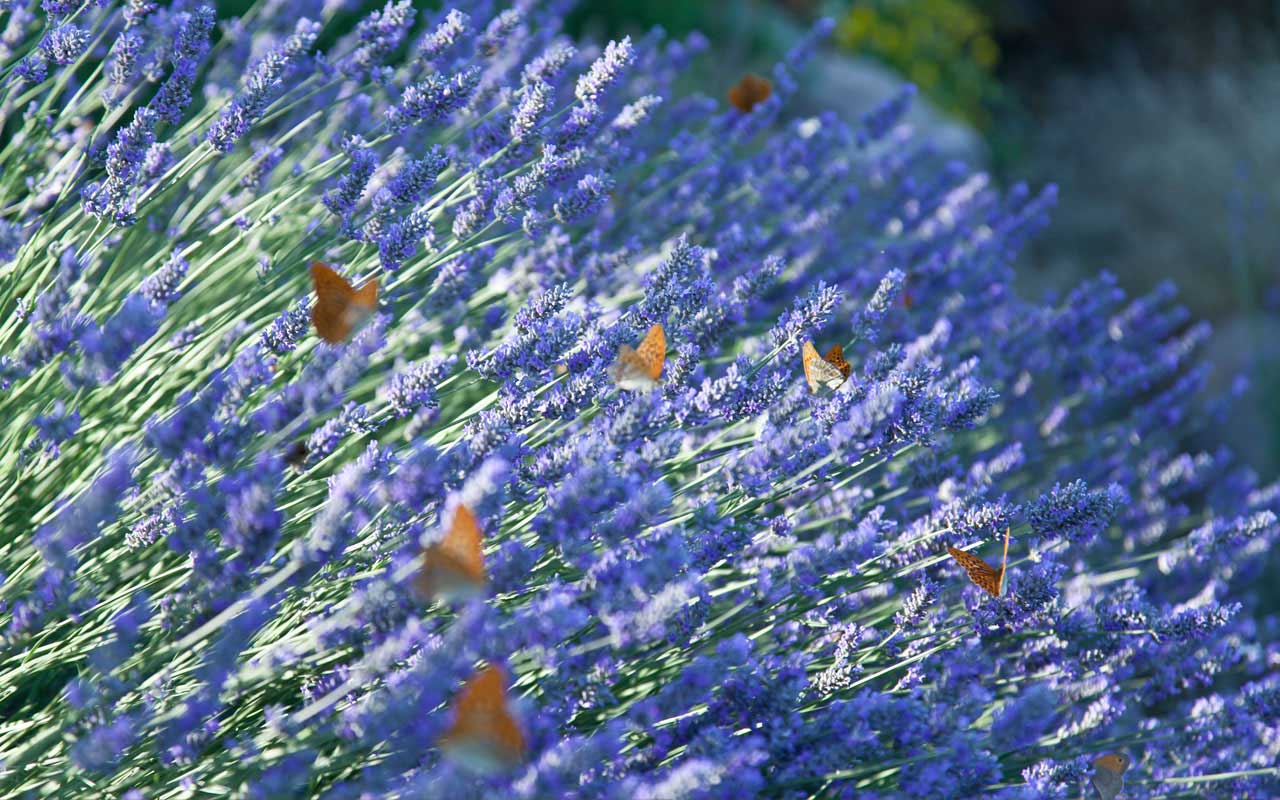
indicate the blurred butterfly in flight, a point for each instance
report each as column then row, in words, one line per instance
column 453, row 568
column 984, row 576
column 640, row 368
column 339, row 308
column 484, row 736
column 296, row 455
column 750, row 92
column 828, row 371
column 1108, row 775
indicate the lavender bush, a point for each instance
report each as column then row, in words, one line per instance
column 726, row 587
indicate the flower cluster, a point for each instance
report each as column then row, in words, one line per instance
column 214, row 520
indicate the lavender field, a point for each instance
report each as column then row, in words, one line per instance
column 421, row 407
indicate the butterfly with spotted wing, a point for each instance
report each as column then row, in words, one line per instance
column 827, row 371
column 984, row 576
column 639, row 368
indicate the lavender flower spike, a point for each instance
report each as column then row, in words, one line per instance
column 221, row 529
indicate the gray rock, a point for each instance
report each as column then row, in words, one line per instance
column 851, row 86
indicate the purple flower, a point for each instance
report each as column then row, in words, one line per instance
column 11, row 240
column 433, row 99
column 878, row 121
column 414, row 387
column 103, row 747
column 440, row 40
column 547, row 67
column 105, row 348
column 401, row 240
column 416, row 177
column 125, row 155
column 342, row 198
column 58, row 8
column 58, row 540
column 261, row 85
column 284, row 332
column 1075, row 511
column 266, row 159
column 591, row 193
column 353, row 419
column 56, row 427
column 64, row 44
column 161, row 286
column 528, row 114
column 489, row 43
column 378, row 35
column 807, row 314
column 605, row 71
column 252, row 520
column 189, row 50
column 727, row 587
column 122, row 66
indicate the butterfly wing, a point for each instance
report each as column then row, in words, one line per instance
column 809, row 357
column 653, row 351
column 461, row 545
column 1108, row 775
column 333, row 298
column 639, row 368
column 364, row 301
column 818, row 372
column 627, row 371
column 835, row 357
column 1004, row 564
column 749, row 92
column 984, row 576
column 762, row 88
column 366, row 297
column 484, row 736
column 453, row 568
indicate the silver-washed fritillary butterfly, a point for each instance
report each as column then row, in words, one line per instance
column 984, row 576
column 827, row 371
column 639, row 368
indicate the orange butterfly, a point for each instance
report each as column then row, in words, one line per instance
column 453, row 568
column 484, row 736
column 908, row 290
column 830, row 370
column 639, row 368
column 750, row 92
column 1108, row 774
column 339, row 308
column 984, row 576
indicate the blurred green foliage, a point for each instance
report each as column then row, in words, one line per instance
column 745, row 28
column 947, row 48
column 677, row 17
